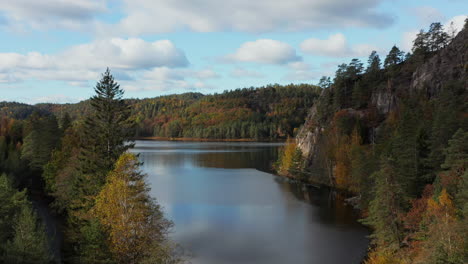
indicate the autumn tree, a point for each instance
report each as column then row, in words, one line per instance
column 445, row 236
column 133, row 220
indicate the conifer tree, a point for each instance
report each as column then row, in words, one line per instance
column 386, row 208
column 29, row 243
column 394, row 57
column 108, row 130
column 373, row 62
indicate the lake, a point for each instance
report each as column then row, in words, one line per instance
column 228, row 207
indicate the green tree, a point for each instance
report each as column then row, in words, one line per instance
column 42, row 139
column 386, row 207
column 456, row 154
column 394, row 57
column 437, row 36
column 10, row 202
column 29, row 243
column 108, row 129
column 373, row 62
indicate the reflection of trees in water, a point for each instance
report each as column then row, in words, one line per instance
column 330, row 205
column 260, row 158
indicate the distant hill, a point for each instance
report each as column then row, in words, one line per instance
column 270, row 112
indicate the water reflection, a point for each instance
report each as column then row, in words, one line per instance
column 228, row 209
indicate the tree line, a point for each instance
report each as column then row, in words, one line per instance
column 264, row 113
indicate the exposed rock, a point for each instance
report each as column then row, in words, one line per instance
column 451, row 63
column 448, row 64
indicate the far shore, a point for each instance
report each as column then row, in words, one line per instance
column 210, row 139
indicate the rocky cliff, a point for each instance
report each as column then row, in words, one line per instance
column 427, row 77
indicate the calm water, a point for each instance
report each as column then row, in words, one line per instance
column 227, row 208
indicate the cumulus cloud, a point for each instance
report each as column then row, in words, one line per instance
column 247, row 15
column 84, row 62
column 24, row 14
column 266, row 51
column 244, row 73
column 169, row 79
column 335, row 45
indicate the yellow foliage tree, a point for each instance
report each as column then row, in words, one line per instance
column 133, row 221
column 445, row 234
column 287, row 159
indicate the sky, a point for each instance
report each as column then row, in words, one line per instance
column 56, row 50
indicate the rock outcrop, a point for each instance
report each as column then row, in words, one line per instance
column 448, row 64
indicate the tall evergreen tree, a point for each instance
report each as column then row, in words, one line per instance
column 107, row 132
column 386, row 208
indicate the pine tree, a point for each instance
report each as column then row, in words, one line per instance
column 29, row 244
column 385, row 209
column 39, row 143
column 394, row 57
column 456, row 154
column 10, row 202
column 108, row 130
column 438, row 38
column 373, row 63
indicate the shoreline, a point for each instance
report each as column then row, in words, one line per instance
column 209, row 139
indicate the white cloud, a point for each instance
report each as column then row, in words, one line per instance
column 84, row 62
column 246, row 15
column 25, row 14
column 244, row 73
column 130, row 53
column 335, row 46
column 266, row 51
column 166, row 79
column 458, row 23
column 58, row 98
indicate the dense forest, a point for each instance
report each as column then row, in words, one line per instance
column 395, row 137
column 83, row 170
column 264, row 113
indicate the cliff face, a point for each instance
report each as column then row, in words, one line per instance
column 428, row 78
column 449, row 64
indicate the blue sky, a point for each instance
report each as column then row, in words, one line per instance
column 55, row 50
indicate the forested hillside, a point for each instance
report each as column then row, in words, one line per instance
column 265, row 113
column 395, row 136
column 83, row 171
